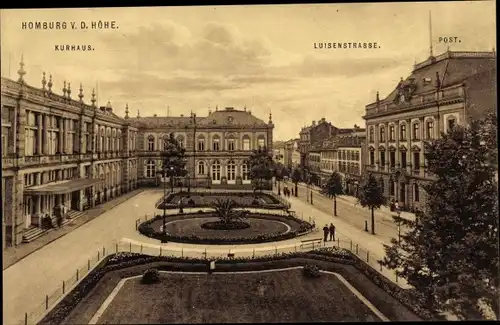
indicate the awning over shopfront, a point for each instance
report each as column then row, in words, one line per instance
column 61, row 187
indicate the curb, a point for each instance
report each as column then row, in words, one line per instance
column 64, row 234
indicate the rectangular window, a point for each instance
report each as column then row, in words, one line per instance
column 261, row 143
column 372, row 158
column 391, row 133
column 230, row 145
column 403, row 159
column 4, row 145
column 246, row 144
column 201, row 145
column 392, row 159
column 416, row 160
column 216, row 145
column 382, row 158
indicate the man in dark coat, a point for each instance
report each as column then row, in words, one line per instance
column 332, row 232
column 325, row 232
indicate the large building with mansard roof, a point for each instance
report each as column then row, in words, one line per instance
column 62, row 155
column 217, row 145
column 443, row 91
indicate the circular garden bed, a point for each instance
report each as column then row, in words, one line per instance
column 201, row 228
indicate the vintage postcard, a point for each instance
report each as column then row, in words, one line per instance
column 250, row 163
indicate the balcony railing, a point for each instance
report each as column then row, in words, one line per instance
column 8, row 162
column 29, row 160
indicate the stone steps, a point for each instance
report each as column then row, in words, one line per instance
column 34, row 233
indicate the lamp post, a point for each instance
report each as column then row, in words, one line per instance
column 193, row 120
column 398, row 211
column 164, row 196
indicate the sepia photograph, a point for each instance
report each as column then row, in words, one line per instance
column 258, row 163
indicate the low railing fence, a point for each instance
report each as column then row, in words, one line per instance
column 206, row 252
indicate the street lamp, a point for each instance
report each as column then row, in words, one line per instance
column 193, row 119
column 164, row 199
column 398, row 211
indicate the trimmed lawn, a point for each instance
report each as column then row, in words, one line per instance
column 207, row 199
column 193, row 227
column 280, row 296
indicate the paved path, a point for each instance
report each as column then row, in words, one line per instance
column 14, row 254
column 28, row 281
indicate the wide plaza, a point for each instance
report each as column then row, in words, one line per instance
column 42, row 272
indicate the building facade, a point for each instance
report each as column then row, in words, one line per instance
column 344, row 155
column 59, row 151
column 61, row 156
column 440, row 93
column 217, row 146
column 313, row 134
column 292, row 154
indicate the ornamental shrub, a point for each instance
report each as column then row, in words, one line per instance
column 151, row 276
column 311, row 271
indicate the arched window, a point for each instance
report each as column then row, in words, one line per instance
column 392, row 132
column 108, row 140
column 371, row 135
column 151, row 143
column 246, row 143
column 201, row 168
column 244, row 170
column 231, row 144
column 215, row 143
column 429, row 129
column 216, row 171
column 416, row 193
column 415, row 131
column 231, row 171
column 402, row 132
column 101, row 143
column 382, row 133
column 119, row 141
column 180, row 140
column 450, row 123
column 150, row 169
column 201, row 143
column 261, row 141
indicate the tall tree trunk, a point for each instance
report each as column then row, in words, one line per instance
column 373, row 221
column 296, row 189
column 279, row 188
column 335, row 205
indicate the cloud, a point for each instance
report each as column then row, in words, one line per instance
column 312, row 66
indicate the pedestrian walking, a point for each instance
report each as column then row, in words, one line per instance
column 292, row 192
column 332, row 232
column 326, row 230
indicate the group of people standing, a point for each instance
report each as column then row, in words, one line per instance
column 286, row 191
column 329, row 231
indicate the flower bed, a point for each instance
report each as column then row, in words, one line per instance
column 219, row 225
column 243, row 199
column 147, row 229
column 331, row 255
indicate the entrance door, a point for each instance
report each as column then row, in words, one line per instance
column 75, row 200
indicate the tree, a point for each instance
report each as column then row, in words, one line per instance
column 296, row 178
column 261, row 167
column 450, row 254
column 279, row 171
column 174, row 160
column 371, row 196
column 225, row 209
column 334, row 188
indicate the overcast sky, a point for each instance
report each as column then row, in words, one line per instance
column 261, row 57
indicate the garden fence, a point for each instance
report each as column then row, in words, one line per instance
column 208, row 252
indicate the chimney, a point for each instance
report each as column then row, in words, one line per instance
column 323, row 120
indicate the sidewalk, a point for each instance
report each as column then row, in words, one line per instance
column 385, row 210
column 13, row 255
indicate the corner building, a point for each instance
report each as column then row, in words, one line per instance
column 441, row 92
column 218, row 145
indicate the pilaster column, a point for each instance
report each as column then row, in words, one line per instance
column 45, row 134
column 61, row 136
column 82, row 137
column 40, row 142
column 21, row 130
